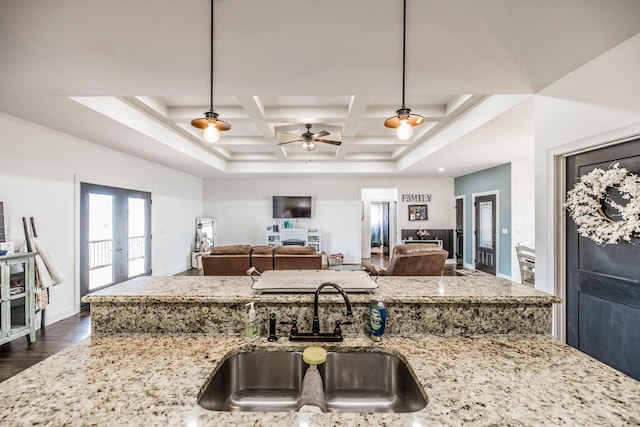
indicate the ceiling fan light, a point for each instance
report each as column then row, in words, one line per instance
column 309, row 145
column 404, row 131
column 211, row 133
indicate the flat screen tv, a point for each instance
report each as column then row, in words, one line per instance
column 291, row 206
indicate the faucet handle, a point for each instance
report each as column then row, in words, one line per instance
column 338, row 330
column 294, row 326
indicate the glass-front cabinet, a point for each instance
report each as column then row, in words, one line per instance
column 17, row 297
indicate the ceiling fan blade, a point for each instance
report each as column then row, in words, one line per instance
column 321, row 134
column 328, row 141
column 289, row 142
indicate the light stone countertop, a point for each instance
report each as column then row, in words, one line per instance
column 232, row 289
column 155, row 380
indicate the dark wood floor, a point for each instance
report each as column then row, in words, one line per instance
column 18, row 355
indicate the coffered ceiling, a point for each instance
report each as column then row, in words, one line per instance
column 131, row 75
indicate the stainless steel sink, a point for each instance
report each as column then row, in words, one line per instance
column 353, row 382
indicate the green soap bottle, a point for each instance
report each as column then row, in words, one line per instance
column 378, row 320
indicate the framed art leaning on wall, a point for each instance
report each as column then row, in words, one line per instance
column 417, row 212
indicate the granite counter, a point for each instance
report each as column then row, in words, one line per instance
column 155, row 380
column 446, row 306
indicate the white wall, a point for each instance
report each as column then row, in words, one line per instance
column 522, row 207
column 40, row 171
column 242, row 207
column 591, row 106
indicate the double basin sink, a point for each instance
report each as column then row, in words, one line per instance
column 352, row 381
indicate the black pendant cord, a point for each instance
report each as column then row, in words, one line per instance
column 211, row 63
column 404, row 42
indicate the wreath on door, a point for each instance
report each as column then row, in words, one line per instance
column 585, row 200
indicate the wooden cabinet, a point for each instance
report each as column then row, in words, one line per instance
column 17, row 297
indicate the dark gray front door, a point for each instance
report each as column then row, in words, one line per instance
column 485, row 214
column 459, row 234
column 603, row 282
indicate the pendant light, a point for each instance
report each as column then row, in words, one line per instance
column 404, row 122
column 211, row 126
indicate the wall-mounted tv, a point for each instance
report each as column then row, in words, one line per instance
column 291, row 206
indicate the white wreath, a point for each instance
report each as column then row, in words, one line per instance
column 584, row 204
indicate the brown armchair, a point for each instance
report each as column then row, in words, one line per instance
column 230, row 260
column 413, row 259
column 296, row 258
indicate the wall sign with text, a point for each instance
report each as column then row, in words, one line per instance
column 421, row 197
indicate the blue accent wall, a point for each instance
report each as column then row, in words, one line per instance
column 497, row 179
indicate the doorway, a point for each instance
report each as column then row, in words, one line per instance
column 458, row 243
column 115, row 236
column 379, row 219
column 485, row 233
column 602, row 287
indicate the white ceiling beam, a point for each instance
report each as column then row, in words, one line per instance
column 314, row 114
column 122, row 111
column 254, row 108
column 471, row 119
column 189, row 113
column 357, row 108
column 428, row 111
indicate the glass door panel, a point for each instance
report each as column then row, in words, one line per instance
column 485, row 225
column 18, row 295
column 100, row 240
column 137, row 237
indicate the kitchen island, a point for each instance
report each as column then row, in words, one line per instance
column 444, row 306
column 132, row 379
column 155, row 380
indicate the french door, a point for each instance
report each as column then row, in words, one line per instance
column 115, row 236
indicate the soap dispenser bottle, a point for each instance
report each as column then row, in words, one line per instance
column 378, row 320
column 251, row 326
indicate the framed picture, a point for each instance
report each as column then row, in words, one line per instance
column 417, row 212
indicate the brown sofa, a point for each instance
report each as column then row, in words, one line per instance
column 229, row 260
column 296, row 258
column 235, row 260
column 415, row 259
column 262, row 257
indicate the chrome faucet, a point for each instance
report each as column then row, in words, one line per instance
column 315, row 334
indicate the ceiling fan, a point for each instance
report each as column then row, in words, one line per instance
column 309, row 139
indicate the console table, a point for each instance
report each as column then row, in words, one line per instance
column 436, row 241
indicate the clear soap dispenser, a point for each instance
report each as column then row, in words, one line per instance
column 252, row 325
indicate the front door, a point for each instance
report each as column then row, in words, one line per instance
column 459, row 234
column 485, row 214
column 603, row 282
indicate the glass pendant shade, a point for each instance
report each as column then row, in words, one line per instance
column 309, row 145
